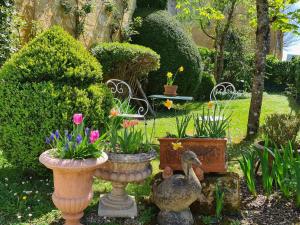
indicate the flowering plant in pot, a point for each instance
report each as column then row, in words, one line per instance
column 170, row 89
column 208, row 140
column 129, row 155
column 73, row 157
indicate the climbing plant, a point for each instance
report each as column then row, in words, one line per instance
column 79, row 12
column 6, row 19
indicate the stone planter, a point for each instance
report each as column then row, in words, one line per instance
column 72, row 184
column 170, row 90
column 210, row 151
column 122, row 169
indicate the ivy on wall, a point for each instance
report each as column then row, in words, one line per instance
column 6, row 20
column 79, row 12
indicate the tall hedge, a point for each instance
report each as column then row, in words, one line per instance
column 41, row 87
column 164, row 34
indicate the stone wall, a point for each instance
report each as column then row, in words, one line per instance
column 102, row 24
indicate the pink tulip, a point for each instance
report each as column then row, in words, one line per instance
column 77, row 118
column 94, row 135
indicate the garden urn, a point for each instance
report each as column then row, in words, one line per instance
column 170, row 90
column 72, row 184
column 122, row 169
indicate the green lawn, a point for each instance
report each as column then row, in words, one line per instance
column 37, row 207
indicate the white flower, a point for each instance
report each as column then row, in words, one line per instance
column 27, row 192
column 15, row 194
column 23, row 182
column 19, row 216
column 30, row 215
column 6, row 178
column 37, row 192
column 38, row 200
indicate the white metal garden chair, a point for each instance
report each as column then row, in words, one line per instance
column 127, row 105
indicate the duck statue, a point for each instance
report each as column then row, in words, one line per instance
column 175, row 194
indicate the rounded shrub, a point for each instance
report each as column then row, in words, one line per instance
column 53, row 56
column 207, row 84
column 164, row 34
column 36, row 100
column 125, row 61
column 153, row 4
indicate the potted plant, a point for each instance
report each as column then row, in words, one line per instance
column 73, row 157
column 129, row 155
column 170, row 89
column 208, row 141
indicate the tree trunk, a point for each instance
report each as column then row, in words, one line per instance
column 262, row 46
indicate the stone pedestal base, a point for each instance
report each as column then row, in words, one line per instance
column 117, row 203
column 184, row 217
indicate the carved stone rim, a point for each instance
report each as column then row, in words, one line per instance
column 132, row 158
column 71, row 164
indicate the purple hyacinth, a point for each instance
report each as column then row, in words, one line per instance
column 48, row 141
column 52, row 137
column 57, row 134
column 67, row 147
column 79, row 139
column 87, row 130
column 69, row 136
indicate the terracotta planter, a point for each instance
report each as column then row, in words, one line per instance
column 72, row 184
column 122, row 169
column 210, row 151
column 170, row 90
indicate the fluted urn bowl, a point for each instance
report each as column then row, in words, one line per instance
column 72, row 184
column 122, row 169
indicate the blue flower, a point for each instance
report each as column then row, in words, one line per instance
column 52, row 137
column 79, row 139
column 87, row 130
column 57, row 134
column 69, row 136
column 48, row 141
column 67, row 147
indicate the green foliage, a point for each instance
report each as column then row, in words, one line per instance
column 247, row 164
column 267, row 170
column 79, row 14
column 125, row 61
column 181, row 125
column 165, row 35
column 212, row 123
column 207, row 84
column 6, row 20
column 281, row 129
column 152, row 4
column 42, row 86
column 53, row 56
column 283, row 165
column 219, row 201
column 297, row 172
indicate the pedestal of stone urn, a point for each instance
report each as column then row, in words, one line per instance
column 122, row 169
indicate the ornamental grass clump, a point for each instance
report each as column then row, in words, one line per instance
column 80, row 143
column 247, row 164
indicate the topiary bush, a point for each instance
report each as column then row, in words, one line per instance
column 53, row 56
column 207, row 84
column 164, row 34
column 41, row 87
column 126, row 61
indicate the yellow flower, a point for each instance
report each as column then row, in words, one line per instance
column 169, row 75
column 24, row 197
column 210, row 105
column 168, row 104
column 177, row 146
column 181, row 69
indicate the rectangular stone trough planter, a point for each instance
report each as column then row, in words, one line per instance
column 210, row 151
